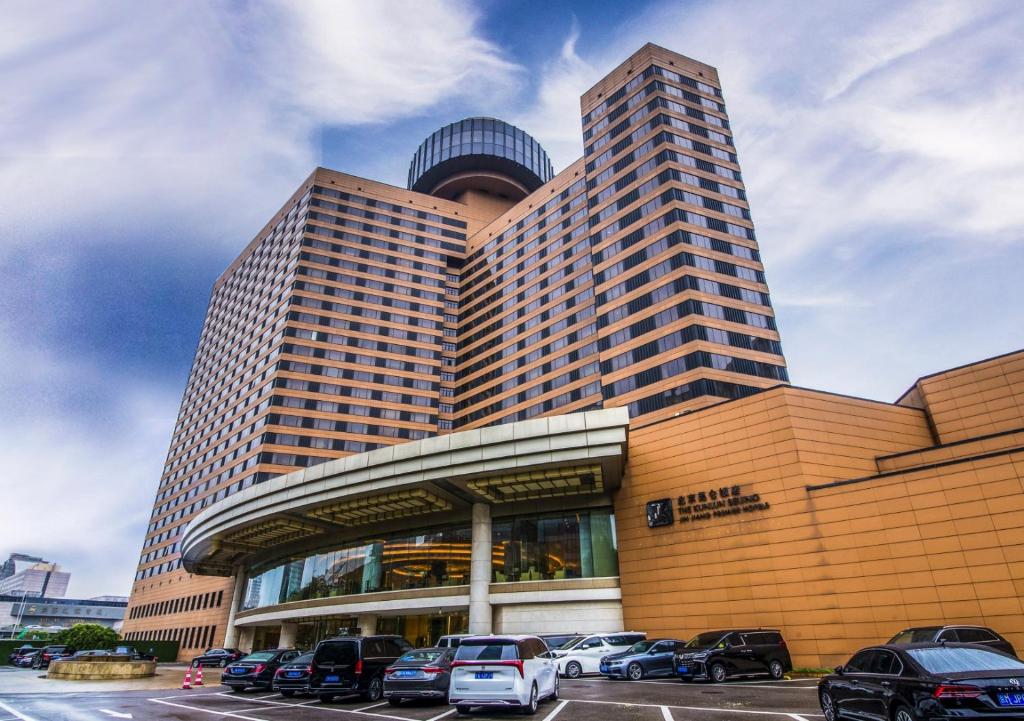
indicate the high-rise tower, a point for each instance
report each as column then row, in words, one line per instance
column 490, row 291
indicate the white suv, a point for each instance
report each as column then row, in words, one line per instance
column 583, row 654
column 502, row 671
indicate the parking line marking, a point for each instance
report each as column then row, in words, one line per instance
column 666, row 714
column 366, row 708
column 322, row 708
column 449, row 712
column 690, row 708
column 797, row 717
column 15, row 712
column 554, row 711
column 229, row 714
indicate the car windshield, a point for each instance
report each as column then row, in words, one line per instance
column 571, row 642
column 914, row 635
column 260, row 656
column 421, row 655
column 960, row 660
column 487, row 651
column 641, row 647
column 304, row 658
column 704, row 640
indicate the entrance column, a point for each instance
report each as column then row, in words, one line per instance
column 246, row 636
column 480, row 571
column 231, row 634
column 367, row 624
column 287, row 635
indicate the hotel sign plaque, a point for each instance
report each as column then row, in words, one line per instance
column 719, row 502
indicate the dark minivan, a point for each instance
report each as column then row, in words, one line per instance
column 347, row 666
column 717, row 655
column 953, row 634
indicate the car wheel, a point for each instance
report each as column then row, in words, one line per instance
column 903, row 714
column 222, row 664
column 462, row 710
column 717, row 673
column 531, row 707
column 573, row 670
column 287, row 693
column 776, row 669
column 828, row 706
column 554, row 692
column 634, row 671
column 375, row 690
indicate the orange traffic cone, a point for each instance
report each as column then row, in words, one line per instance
column 199, row 675
column 186, row 685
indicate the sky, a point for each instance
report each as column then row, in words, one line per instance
column 143, row 144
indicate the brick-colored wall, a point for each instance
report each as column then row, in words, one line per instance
column 835, row 568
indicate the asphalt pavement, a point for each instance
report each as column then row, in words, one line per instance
column 581, row 700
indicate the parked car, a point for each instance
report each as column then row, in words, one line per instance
column 350, row 665
column 717, row 655
column 92, row 654
column 978, row 635
column 420, row 673
column 452, row 640
column 20, row 651
column 134, row 653
column 217, row 657
column 26, row 659
column 557, row 640
column 924, row 681
column 583, row 654
column 504, row 672
column 49, row 654
column 257, row 669
column 643, row 659
column 293, row 677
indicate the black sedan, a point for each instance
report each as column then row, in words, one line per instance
column 20, row 651
column 293, row 677
column 26, row 660
column 217, row 657
column 256, row 669
column 420, row 673
column 920, row 682
column 977, row 635
column 644, row 658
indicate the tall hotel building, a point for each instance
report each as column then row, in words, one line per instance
column 445, row 408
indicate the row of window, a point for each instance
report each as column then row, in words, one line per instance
column 544, row 316
column 376, row 270
column 197, row 602
column 506, row 370
column 371, row 313
column 658, row 103
column 545, row 331
column 353, row 427
column 374, row 361
column 654, row 124
column 359, row 282
column 528, row 393
column 681, row 259
column 689, row 334
column 321, row 406
column 669, row 265
column 192, row 637
column 674, row 238
column 699, row 388
column 389, row 207
column 355, row 326
column 414, row 249
column 388, row 381
column 356, row 409
column 382, row 218
column 367, row 298
column 390, row 258
column 649, row 72
column 591, row 391
column 577, row 334
column 691, row 361
column 673, row 313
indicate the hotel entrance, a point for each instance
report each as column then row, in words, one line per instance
column 423, row 631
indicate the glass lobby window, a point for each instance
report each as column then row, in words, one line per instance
column 579, row 544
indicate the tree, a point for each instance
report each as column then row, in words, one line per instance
column 87, row 636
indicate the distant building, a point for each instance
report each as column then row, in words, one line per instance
column 52, row 614
column 34, row 578
column 16, row 563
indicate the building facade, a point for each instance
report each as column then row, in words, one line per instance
column 491, row 291
column 33, row 577
column 505, row 399
column 19, row 614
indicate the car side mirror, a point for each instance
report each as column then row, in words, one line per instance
column 838, row 670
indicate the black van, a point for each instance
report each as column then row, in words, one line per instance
column 717, row 655
column 351, row 665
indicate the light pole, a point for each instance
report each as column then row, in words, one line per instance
column 21, row 613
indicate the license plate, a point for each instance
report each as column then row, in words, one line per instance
column 238, row 670
column 484, row 675
column 293, row 674
column 1010, row 699
column 332, row 679
column 682, row 669
column 604, row 669
column 407, row 674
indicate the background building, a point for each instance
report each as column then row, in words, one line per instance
column 53, row 614
column 492, row 291
column 32, row 576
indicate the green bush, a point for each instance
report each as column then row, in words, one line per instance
column 87, row 636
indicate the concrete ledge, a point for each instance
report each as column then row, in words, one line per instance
column 101, row 668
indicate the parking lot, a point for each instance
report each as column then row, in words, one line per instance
column 583, row 699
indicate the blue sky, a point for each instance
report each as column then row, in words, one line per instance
column 143, row 144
